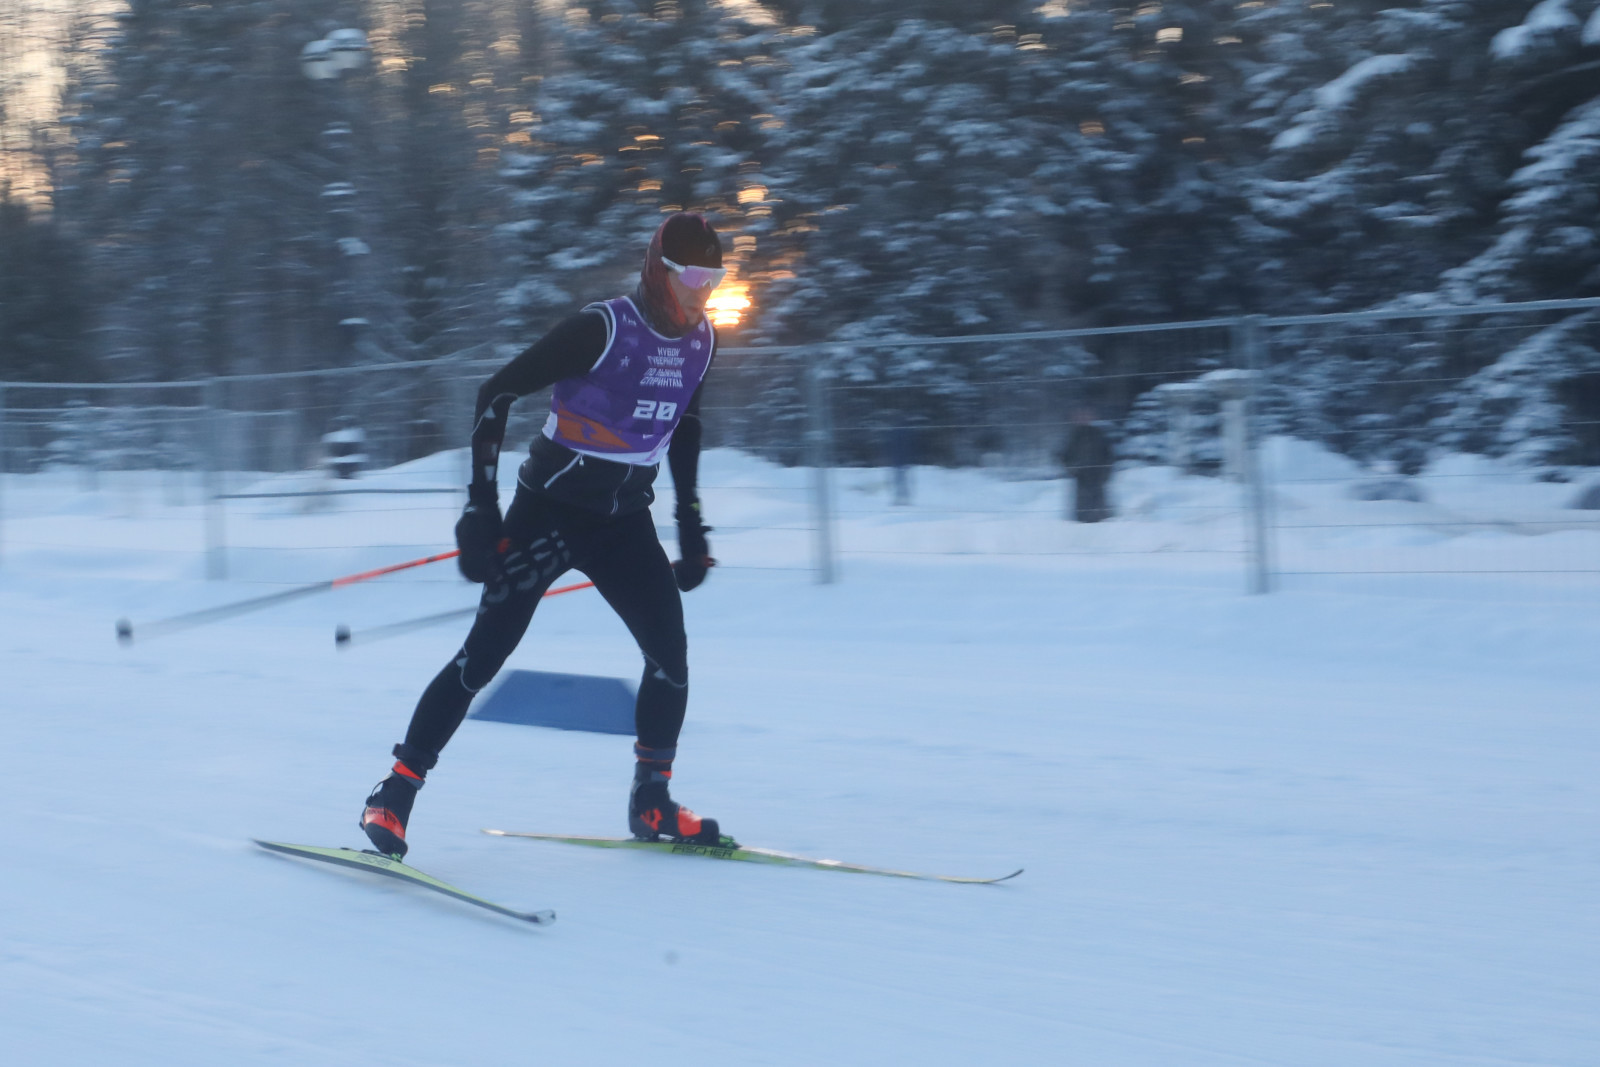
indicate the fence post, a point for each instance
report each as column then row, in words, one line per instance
column 1247, row 352
column 212, row 488
column 819, row 454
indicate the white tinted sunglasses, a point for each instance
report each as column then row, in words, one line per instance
column 696, row 277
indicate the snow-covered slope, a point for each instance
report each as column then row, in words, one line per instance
column 1329, row 826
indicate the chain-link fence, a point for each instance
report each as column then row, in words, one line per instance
column 1404, row 441
column 211, row 468
column 1462, row 440
column 1024, row 444
column 1409, row 441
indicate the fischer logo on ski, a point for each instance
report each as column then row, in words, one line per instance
column 714, row 851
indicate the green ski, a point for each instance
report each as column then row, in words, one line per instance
column 387, row 865
column 748, row 855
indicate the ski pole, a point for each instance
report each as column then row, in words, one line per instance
column 227, row 611
column 342, row 635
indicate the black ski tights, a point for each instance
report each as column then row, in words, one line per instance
column 629, row 569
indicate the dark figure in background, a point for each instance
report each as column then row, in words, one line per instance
column 626, row 374
column 899, row 446
column 1087, row 456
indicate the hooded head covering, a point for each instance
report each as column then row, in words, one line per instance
column 689, row 241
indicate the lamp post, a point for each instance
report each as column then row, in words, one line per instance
column 329, row 59
column 340, row 52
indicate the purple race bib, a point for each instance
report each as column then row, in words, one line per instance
column 627, row 406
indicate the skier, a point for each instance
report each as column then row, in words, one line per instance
column 626, row 374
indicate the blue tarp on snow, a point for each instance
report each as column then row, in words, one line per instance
column 561, row 701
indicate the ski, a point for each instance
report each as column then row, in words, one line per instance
column 387, row 865
column 749, row 855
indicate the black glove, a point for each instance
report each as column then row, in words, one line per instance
column 478, row 538
column 691, row 569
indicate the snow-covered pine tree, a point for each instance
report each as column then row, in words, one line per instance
column 44, row 302
column 648, row 108
column 1539, row 402
column 1548, row 245
column 1378, row 180
column 906, row 181
column 197, row 184
column 454, row 83
column 1387, row 152
column 1536, row 404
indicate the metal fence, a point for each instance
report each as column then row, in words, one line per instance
column 1464, row 440
column 1396, row 442
column 964, row 436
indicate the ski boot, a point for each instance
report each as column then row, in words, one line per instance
column 388, row 807
column 653, row 814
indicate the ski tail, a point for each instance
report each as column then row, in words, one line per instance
column 393, row 868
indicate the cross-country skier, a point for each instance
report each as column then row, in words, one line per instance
column 627, row 376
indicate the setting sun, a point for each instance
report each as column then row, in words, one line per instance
column 728, row 303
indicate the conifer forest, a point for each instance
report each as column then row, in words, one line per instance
column 190, row 189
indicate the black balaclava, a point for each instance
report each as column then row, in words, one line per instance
column 689, row 241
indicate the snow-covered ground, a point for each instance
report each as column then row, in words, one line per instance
column 1353, row 822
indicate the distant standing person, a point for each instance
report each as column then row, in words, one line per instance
column 900, row 445
column 626, row 374
column 1086, row 455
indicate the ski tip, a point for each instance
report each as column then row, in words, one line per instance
column 1008, row 877
column 542, row 918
